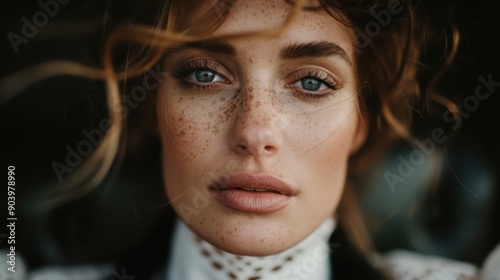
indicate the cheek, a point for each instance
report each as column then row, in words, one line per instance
column 186, row 136
column 192, row 130
column 186, row 130
column 326, row 139
column 182, row 137
column 327, row 136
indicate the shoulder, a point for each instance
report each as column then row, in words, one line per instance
column 402, row 265
column 491, row 266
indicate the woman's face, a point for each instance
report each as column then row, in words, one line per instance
column 257, row 132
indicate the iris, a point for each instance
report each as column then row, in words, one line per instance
column 310, row 84
column 204, row 76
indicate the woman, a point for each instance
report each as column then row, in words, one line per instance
column 266, row 113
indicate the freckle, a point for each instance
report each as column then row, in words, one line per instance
column 180, row 99
column 250, row 60
column 205, row 253
column 276, row 268
column 217, row 265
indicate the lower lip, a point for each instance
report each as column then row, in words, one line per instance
column 252, row 202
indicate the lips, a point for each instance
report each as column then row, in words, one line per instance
column 252, row 193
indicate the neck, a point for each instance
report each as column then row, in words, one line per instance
column 194, row 258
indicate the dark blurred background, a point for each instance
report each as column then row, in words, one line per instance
column 448, row 206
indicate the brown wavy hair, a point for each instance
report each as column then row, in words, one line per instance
column 388, row 66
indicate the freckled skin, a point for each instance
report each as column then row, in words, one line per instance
column 257, row 124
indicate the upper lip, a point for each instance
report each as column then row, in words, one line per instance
column 253, row 182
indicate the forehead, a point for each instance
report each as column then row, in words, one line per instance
column 255, row 15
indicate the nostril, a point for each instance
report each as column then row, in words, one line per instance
column 269, row 148
column 242, row 147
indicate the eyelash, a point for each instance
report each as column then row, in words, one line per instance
column 321, row 76
column 182, row 73
column 187, row 68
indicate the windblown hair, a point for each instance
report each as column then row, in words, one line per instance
column 388, row 67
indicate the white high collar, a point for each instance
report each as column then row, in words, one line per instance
column 196, row 259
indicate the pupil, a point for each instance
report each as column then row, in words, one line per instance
column 204, row 76
column 310, row 84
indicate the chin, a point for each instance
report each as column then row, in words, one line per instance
column 241, row 245
column 247, row 234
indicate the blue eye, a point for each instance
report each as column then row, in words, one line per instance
column 311, row 84
column 204, row 76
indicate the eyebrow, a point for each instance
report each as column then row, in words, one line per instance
column 314, row 50
column 293, row 51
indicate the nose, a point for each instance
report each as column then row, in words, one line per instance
column 255, row 130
